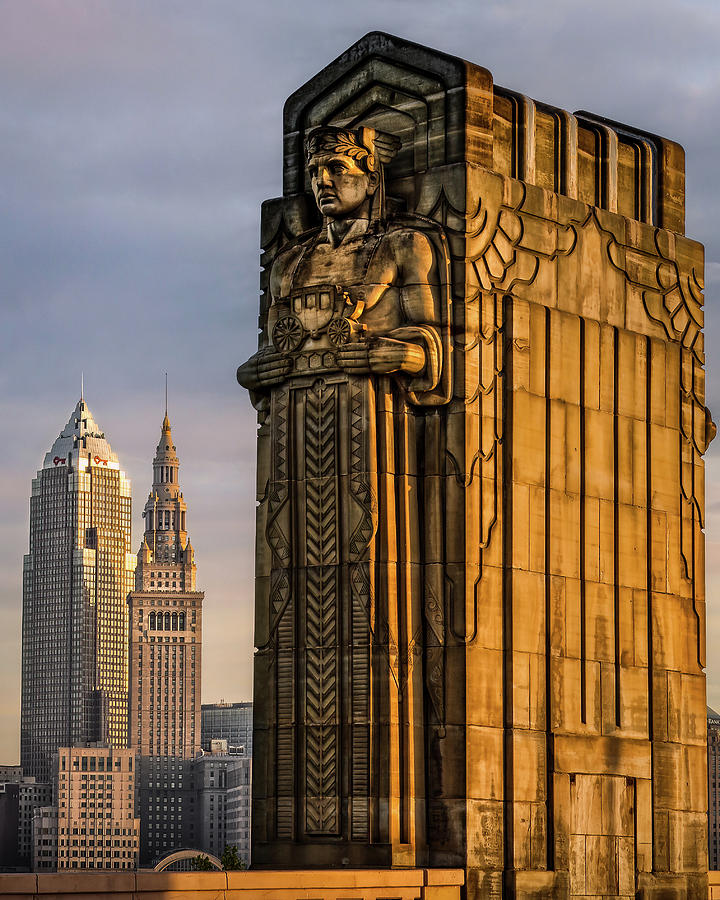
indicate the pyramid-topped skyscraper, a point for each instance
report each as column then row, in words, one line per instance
column 77, row 575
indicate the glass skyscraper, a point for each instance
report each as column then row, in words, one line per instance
column 77, row 576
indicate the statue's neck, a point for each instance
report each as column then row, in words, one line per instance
column 339, row 229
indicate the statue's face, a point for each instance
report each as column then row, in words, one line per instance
column 340, row 186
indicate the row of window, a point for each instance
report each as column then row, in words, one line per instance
column 166, row 622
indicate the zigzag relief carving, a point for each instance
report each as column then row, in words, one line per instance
column 278, row 499
column 321, row 610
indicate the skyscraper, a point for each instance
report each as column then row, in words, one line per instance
column 166, row 621
column 165, row 647
column 76, row 580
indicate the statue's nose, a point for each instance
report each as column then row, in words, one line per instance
column 323, row 175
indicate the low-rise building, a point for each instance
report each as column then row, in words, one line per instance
column 9, row 827
column 45, row 839
column 20, row 797
column 32, row 796
column 95, row 797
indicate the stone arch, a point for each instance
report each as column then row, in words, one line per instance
column 186, row 853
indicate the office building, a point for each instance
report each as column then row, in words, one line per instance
column 210, row 775
column 95, row 796
column 238, row 803
column 231, row 722
column 20, row 796
column 713, row 745
column 165, row 611
column 165, row 621
column 77, row 576
column 166, row 803
column 45, row 840
column 9, row 826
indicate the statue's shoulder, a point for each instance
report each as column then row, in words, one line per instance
column 297, row 245
column 408, row 223
column 415, row 235
column 287, row 259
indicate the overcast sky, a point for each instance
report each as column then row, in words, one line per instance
column 137, row 141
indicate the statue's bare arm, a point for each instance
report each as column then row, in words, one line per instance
column 410, row 267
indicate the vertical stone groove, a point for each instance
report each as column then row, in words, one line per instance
column 549, row 737
column 649, row 579
column 507, row 616
column 616, row 518
column 583, row 537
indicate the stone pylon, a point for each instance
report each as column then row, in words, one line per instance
column 480, row 582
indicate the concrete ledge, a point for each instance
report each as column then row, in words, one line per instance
column 602, row 755
column 305, row 884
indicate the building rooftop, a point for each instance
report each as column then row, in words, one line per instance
column 81, row 433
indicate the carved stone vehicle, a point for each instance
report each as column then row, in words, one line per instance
column 480, row 610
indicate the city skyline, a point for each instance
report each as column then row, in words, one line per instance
column 136, row 160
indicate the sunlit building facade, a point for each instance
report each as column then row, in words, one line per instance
column 96, row 823
column 77, row 576
column 165, row 621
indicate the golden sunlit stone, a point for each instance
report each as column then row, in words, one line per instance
column 480, row 608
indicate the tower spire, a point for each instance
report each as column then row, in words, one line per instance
column 166, row 421
column 82, row 385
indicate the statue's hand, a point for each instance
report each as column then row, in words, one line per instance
column 263, row 370
column 355, row 357
column 381, row 356
column 388, row 355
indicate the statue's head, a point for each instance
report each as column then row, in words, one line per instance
column 345, row 168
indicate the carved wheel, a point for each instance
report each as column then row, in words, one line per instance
column 288, row 333
column 338, row 331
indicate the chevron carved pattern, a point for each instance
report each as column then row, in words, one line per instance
column 320, row 469
column 322, row 783
column 282, row 617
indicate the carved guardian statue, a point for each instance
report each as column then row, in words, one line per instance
column 359, row 350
